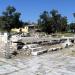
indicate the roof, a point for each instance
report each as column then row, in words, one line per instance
column 31, row 25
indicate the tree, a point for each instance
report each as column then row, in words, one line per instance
column 44, row 22
column 56, row 18
column 63, row 23
column 52, row 22
column 9, row 20
column 74, row 15
column 72, row 27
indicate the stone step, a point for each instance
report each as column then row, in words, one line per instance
column 39, row 52
column 55, row 49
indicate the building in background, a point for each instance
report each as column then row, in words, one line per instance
column 26, row 29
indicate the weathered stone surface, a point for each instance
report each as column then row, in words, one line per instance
column 56, row 63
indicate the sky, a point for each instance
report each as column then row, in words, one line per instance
column 31, row 9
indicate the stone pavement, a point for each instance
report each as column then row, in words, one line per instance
column 55, row 63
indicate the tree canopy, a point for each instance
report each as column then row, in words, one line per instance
column 10, row 19
column 52, row 21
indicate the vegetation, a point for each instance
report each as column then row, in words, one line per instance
column 49, row 22
column 72, row 25
column 52, row 22
column 10, row 19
